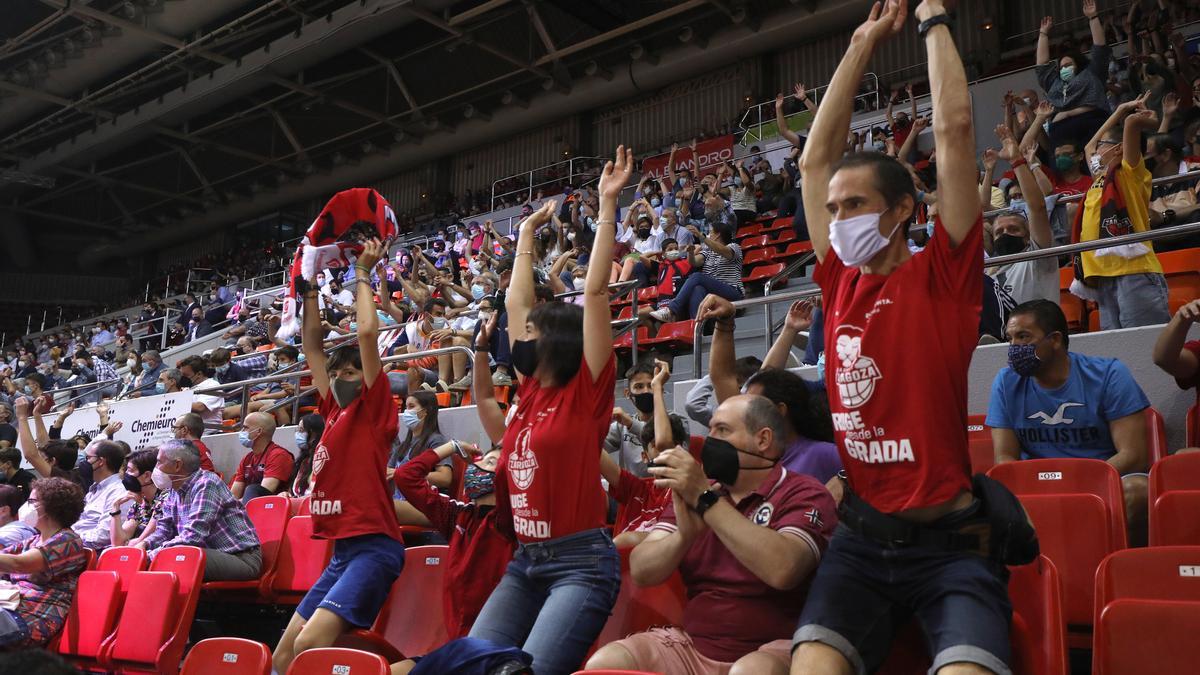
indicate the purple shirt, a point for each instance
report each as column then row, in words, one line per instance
column 818, row 459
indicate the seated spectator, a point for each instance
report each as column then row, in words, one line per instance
column 198, row 371
column 720, row 262
column 623, row 442
column 12, row 529
column 266, row 469
column 701, row 400
column 146, row 381
column 8, row 432
column 189, row 427
column 1051, row 402
column 105, row 459
column 308, row 439
column 200, row 511
column 419, row 419
column 479, row 554
column 746, row 534
column 46, row 566
column 1177, row 355
column 226, row 371
column 144, row 498
column 11, row 472
column 639, row 503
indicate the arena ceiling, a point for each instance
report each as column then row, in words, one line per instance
column 119, row 120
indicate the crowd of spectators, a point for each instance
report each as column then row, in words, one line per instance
column 757, row 514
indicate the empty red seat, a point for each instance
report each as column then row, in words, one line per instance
column 227, row 656
column 142, row 654
column 796, row 249
column 91, row 619
column 756, row 241
column 762, row 273
column 749, row 230
column 678, row 335
column 125, row 561
column 1154, row 573
column 625, row 313
column 979, row 444
column 1182, row 271
column 411, row 620
column 152, row 611
column 1173, row 520
column 298, row 506
column 1156, row 436
column 756, row 256
column 648, row 294
column 1068, row 476
column 777, row 224
column 300, row 561
column 785, row 237
column 338, row 661
column 269, row 515
column 625, row 342
column 1139, row 636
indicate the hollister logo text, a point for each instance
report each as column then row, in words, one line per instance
column 522, row 464
column 855, row 374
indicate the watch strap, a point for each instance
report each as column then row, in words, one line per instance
column 705, row 501
column 926, row 25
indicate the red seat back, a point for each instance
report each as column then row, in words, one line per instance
column 154, row 599
column 1137, row 636
column 228, row 656
column 640, row 607
column 1193, row 426
column 1154, row 573
column 979, row 443
column 269, row 515
column 1069, row 476
column 1177, row 472
column 298, row 506
column 338, row 661
column 1173, row 520
column 93, row 614
column 763, row 272
column 301, row 557
column 756, row 256
column 187, row 564
column 1156, row 436
column 412, row 620
column 125, row 561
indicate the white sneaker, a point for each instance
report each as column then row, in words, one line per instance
column 462, row 385
column 662, row 315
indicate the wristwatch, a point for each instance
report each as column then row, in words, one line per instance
column 705, row 501
column 115, row 513
column 925, row 26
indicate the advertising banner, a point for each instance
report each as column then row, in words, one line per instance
column 709, row 155
column 145, row 422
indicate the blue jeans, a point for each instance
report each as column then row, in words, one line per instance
column 1133, row 300
column 554, row 600
column 697, row 287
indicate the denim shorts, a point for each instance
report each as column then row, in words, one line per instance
column 864, row 593
column 358, row 579
column 13, row 629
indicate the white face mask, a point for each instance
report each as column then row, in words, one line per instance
column 579, row 283
column 28, row 514
column 161, row 479
column 1094, row 164
column 856, row 240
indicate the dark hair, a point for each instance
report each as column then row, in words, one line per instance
column 194, row 423
column 112, row 454
column 761, row 413
column 543, row 293
column 1166, row 142
column 428, row 402
column 560, row 341
column 787, row 388
column 346, row 355
column 726, row 231
column 1047, row 315
column 314, row 425
column 679, row 434
column 892, row 180
column 643, row 367
column 37, row 377
column 60, row 499
column 144, row 460
column 63, row 452
column 290, row 352
column 219, row 355
column 434, row 302
column 745, row 368
column 198, row 364
column 12, row 497
column 11, row 455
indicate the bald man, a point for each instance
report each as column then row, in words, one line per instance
column 267, row 468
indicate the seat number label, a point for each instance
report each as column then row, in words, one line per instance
column 1189, row 570
column 1049, row 475
column 229, row 657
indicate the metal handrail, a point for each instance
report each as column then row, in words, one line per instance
column 1053, row 251
column 758, row 107
column 783, row 274
column 1075, row 198
column 93, row 387
column 529, row 188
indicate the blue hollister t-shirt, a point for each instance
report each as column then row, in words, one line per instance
column 1072, row 420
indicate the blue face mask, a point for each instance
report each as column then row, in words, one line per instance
column 655, row 202
column 1066, row 73
column 353, row 326
column 160, row 388
column 929, row 229
column 301, row 440
column 821, row 367
column 737, row 180
column 477, row 291
column 410, row 419
column 1023, row 359
column 244, row 439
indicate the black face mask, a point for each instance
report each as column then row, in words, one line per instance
column 720, row 460
column 643, row 402
column 1007, row 244
column 85, row 469
column 524, row 357
column 131, row 483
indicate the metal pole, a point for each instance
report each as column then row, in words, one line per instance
column 44, row 310
column 633, row 338
column 28, row 323
column 147, row 298
column 60, row 312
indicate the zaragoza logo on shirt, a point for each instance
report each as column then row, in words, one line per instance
column 855, row 373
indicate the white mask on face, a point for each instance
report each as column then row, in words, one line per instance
column 161, row 479
column 1094, row 164
column 856, row 240
column 28, row 514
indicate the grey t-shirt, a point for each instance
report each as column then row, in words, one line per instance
column 1029, row 280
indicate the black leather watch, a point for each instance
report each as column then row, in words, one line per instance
column 705, row 501
column 932, row 21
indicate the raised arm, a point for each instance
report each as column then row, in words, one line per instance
column 671, row 165
column 1094, row 24
column 827, row 138
column 799, row 318
column 312, row 341
column 1169, row 353
column 1043, row 43
column 29, row 449
column 1035, row 199
column 985, row 186
column 519, row 301
column 781, row 122
column 721, row 353
column 597, row 315
column 1137, row 123
column 953, row 128
column 365, row 316
column 919, row 124
column 662, row 416
column 1035, row 135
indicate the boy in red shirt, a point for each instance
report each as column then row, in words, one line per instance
column 351, row 500
column 1180, row 357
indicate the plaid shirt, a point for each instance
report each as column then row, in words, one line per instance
column 46, row 596
column 104, row 370
column 255, row 365
column 203, row 512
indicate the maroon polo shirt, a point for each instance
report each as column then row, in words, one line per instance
column 730, row 612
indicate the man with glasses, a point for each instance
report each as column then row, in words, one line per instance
column 190, row 427
column 105, row 458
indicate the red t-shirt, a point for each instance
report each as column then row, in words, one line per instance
column 479, row 554
column 900, row 345
column 274, row 462
column 1079, row 186
column 350, row 494
column 730, row 612
column 639, row 503
column 670, row 276
column 205, row 456
column 551, row 458
column 1193, row 346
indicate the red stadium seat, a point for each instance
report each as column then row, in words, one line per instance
column 756, row 241
column 269, row 515
column 91, row 560
column 1154, row 573
column 1138, row 636
column 338, row 661
column 227, row 656
column 1193, row 425
column 155, row 600
column 756, row 256
column 1064, row 497
column 979, row 443
column 1182, row 270
column 91, row 619
column 1072, row 306
column 649, row 294
column 762, row 273
column 640, row 607
column 625, row 313
column 411, row 621
column 301, row 560
column 785, row 237
column 778, row 224
column 751, row 230
column 1156, row 436
column 796, row 249
column 625, row 342
column 125, row 561
column 677, row 335
column 1173, row 520
column 1177, row 472
column 186, row 563
column 298, row 506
